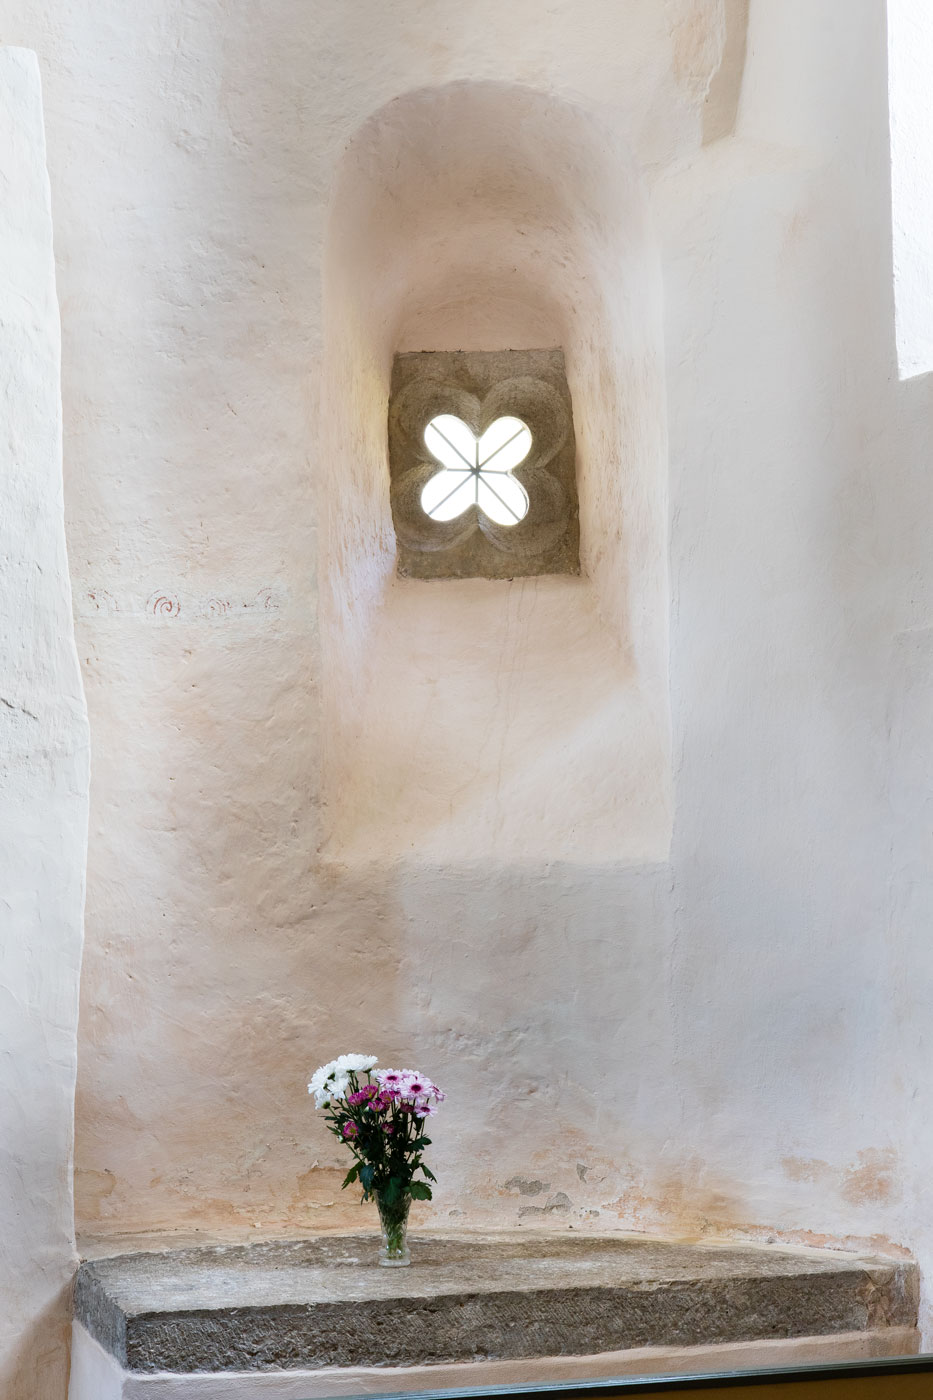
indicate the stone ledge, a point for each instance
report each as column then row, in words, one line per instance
column 97, row 1376
column 324, row 1302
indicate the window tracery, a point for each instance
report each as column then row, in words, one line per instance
column 476, row 470
column 481, row 460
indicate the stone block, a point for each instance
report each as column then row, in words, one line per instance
column 322, row 1303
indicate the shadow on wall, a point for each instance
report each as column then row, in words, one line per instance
column 721, row 107
column 38, row 1368
column 490, row 216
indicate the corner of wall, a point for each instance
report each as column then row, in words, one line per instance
column 45, row 767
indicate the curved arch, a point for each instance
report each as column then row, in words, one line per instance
column 484, row 215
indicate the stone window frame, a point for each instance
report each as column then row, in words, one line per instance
column 479, row 386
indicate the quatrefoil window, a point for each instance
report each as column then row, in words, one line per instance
column 481, row 464
column 476, row 470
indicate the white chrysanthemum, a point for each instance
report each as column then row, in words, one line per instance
column 320, row 1077
column 355, row 1064
column 331, row 1081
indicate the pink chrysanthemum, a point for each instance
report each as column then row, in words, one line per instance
column 416, row 1089
column 362, row 1095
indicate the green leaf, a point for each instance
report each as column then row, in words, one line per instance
column 351, row 1176
column 427, row 1171
column 393, row 1190
column 420, row 1191
column 366, row 1177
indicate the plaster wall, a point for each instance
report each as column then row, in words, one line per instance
column 43, row 776
column 728, row 1039
column 474, row 215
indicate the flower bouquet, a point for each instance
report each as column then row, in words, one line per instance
column 380, row 1115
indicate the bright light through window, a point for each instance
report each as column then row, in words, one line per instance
column 910, row 64
column 476, row 471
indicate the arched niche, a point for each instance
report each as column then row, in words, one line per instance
column 482, row 719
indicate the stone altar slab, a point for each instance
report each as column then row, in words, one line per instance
column 324, row 1302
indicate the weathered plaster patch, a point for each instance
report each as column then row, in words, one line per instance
column 526, row 1187
column 591, row 1175
column 559, row 1204
column 875, row 1179
column 92, row 1188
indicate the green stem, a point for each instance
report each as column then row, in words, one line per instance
column 394, row 1219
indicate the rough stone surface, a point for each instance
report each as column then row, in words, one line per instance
column 97, row 1375
column 325, row 1302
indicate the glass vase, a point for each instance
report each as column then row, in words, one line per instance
column 393, row 1218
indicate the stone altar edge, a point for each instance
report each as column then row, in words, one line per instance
column 639, row 1293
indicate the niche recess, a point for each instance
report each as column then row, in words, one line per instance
column 495, row 718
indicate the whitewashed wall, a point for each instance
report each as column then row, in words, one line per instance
column 43, row 775
column 800, row 540
column 728, row 1041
